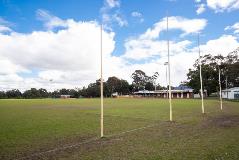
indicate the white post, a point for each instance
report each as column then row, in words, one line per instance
column 166, row 64
column 220, row 87
column 226, row 88
column 101, row 87
column 169, row 80
column 200, row 67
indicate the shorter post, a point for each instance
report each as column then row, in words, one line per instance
column 220, row 87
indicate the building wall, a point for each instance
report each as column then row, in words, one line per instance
column 164, row 95
column 225, row 94
column 236, row 95
column 231, row 94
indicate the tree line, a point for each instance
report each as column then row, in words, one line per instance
column 112, row 85
column 228, row 65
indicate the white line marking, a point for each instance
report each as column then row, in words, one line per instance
column 85, row 142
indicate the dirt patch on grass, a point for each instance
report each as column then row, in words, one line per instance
column 224, row 121
column 33, row 151
column 83, row 148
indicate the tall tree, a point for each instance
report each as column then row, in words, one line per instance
column 124, row 88
column 32, row 93
column 139, row 80
column 2, row 95
column 43, row 93
column 113, row 85
column 210, row 68
column 14, row 93
column 151, row 84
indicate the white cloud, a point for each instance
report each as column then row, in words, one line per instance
column 187, row 26
column 197, row 1
column 223, row 5
column 234, row 27
column 149, row 53
column 120, row 20
column 183, row 60
column 113, row 3
column 223, row 45
column 137, row 15
column 5, row 26
column 180, row 63
column 5, row 22
column 64, row 72
column 9, row 68
column 49, row 50
column 10, row 81
column 201, row 8
column 146, row 49
column 70, row 56
column 111, row 14
column 50, row 21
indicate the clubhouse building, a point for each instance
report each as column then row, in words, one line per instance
column 231, row 93
column 177, row 92
column 165, row 93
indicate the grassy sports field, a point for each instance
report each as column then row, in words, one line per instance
column 70, row 129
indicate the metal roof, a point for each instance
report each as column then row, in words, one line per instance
column 231, row 89
column 163, row 91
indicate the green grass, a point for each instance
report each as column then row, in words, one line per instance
column 34, row 126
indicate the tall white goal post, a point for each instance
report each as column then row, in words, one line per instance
column 200, row 70
column 101, row 86
column 169, row 80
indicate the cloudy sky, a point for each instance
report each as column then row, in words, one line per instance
column 56, row 43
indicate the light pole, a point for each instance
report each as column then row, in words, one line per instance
column 155, row 77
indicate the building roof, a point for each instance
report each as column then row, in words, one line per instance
column 182, row 87
column 231, row 89
column 163, row 91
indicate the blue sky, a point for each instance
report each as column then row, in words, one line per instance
column 128, row 45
